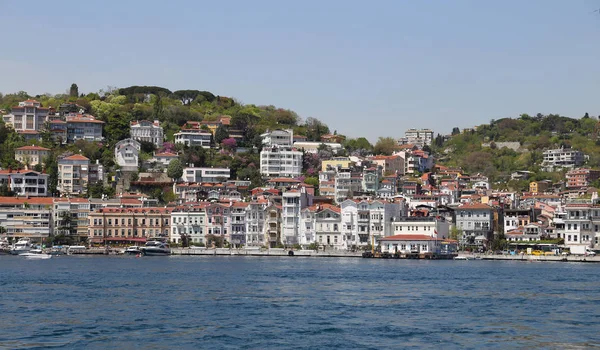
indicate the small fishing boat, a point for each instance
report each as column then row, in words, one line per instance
column 133, row 250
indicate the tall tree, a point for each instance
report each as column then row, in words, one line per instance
column 74, row 90
column 385, row 146
column 175, row 169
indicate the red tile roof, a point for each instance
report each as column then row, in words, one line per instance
column 32, row 148
column 410, row 238
column 76, row 157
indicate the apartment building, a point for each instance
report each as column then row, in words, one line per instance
column 190, row 221
column 75, row 173
column 22, row 217
column 476, row 221
column 192, row 134
column 198, row 174
column 419, row 137
column 255, row 223
column 582, row 177
column 128, row 225
column 127, row 154
column 280, row 162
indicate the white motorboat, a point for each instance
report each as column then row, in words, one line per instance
column 133, row 250
column 36, row 254
column 21, row 247
column 153, row 248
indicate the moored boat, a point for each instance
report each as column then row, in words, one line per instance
column 133, row 250
column 155, row 248
column 21, row 247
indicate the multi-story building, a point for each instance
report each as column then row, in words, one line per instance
column 58, row 128
column 562, row 158
column 22, row 217
column 476, row 221
column 31, row 155
column 75, row 173
column 293, row 201
column 192, row 134
column 190, row 221
column 419, row 137
column 147, row 131
column 432, row 226
column 84, row 127
column 581, row 225
column 25, row 182
column 272, row 226
column 280, row 162
column 390, row 164
column 280, row 138
column 370, row 179
column 539, row 186
column 128, row 225
column 28, row 117
column 578, row 178
column 163, row 159
column 70, row 216
column 328, row 224
column 127, row 154
column 363, row 222
column 196, row 174
column 255, row 223
column 336, row 162
column 237, row 212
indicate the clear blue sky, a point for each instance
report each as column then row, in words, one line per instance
column 366, row 68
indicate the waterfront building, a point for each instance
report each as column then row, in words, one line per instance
column 272, row 226
column 417, row 244
column 363, row 222
column 128, row 225
column 25, row 182
column 31, row 156
column 237, row 213
column 255, row 223
column 432, row 226
column 22, row 217
column 70, row 216
column 476, row 221
column 190, row 221
column 147, row 131
column 293, row 201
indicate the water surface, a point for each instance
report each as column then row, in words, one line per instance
column 296, row 303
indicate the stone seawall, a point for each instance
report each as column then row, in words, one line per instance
column 534, row 258
column 265, row 252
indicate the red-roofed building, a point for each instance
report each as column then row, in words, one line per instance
column 26, row 217
column 147, row 131
column 84, row 127
column 31, row 155
column 476, row 221
column 128, row 226
column 27, row 118
column 75, row 173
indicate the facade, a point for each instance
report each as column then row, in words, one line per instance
column 75, row 173
column 26, row 218
column 280, row 138
column 147, row 131
column 192, row 134
column 539, row 186
column 363, row 222
column 58, row 128
column 327, row 227
column 578, row 178
column 127, row 154
column 417, row 244
column 237, row 212
column 196, row 174
column 313, row 147
column 336, row 162
column 189, row 221
column 419, row 137
column 25, row 182
column 476, row 221
column 562, row 158
column 435, row 227
column 70, row 216
column 390, row 164
column 293, row 201
column 31, row 155
column 255, row 223
column 128, row 225
column 83, row 127
column 163, row 159
column 29, row 116
column 272, row 226
column 280, row 162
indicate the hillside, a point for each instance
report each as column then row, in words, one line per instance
column 477, row 151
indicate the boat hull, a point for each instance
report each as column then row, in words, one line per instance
column 155, row 252
column 36, row 256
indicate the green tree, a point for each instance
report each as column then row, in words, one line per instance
column 385, row 146
column 74, row 90
column 221, row 134
column 175, row 169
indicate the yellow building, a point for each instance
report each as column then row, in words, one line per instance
column 539, row 186
column 342, row 162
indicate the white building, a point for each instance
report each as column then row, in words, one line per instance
column 436, row 227
column 127, row 154
column 313, row 147
column 25, row 182
column 475, row 220
column 281, row 138
column 189, row 221
column 255, row 223
column 280, row 162
column 162, row 159
column 194, row 174
column 147, row 131
column 419, row 137
column 293, row 201
column 31, row 155
column 363, row 222
column 76, row 172
column 194, row 138
column 562, row 158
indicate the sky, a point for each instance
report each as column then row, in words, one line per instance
column 365, row 68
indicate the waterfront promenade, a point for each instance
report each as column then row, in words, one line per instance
column 267, row 252
column 532, row 258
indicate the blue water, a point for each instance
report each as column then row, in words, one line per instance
column 296, row 303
